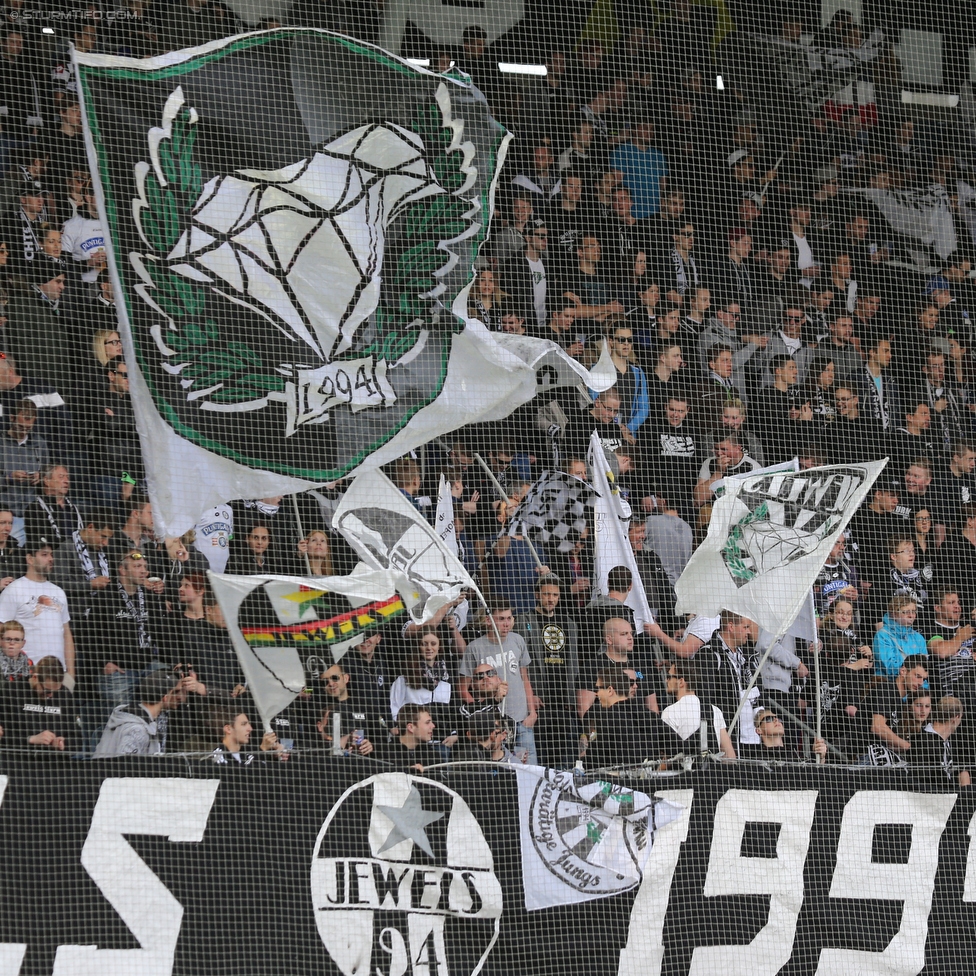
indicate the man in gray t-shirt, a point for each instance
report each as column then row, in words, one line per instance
column 511, row 659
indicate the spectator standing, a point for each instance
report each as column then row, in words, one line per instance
column 15, row 665
column 370, row 674
column 620, row 731
column 38, row 326
column 41, row 608
column 357, row 722
column 931, row 747
column 506, row 652
column 82, row 565
column 126, row 627
column 897, row 640
column 684, row 716
column 413, row 749
column 725, row 668
column 551, row 636
column 52, row 513
column 951, row 644
column 631, row 386
column 527, row 278
column 426, row 680
column 644, row 166
column 877, row 389
column 114, row 438
column 23, row 454
column 679, row 271
column 84, row 239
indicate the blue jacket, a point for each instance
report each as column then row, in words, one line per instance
column 640, row 408
column 892, row 644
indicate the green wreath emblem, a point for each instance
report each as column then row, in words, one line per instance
column 178, row 278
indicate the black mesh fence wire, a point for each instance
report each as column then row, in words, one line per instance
column 720, row 237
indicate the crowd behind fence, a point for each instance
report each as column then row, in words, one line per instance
column 758, row 305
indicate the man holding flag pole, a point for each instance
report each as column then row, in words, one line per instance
column 769, row 536
column 612, row 546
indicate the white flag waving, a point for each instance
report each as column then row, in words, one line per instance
column 768, row 538
column 390, row 534
column 583, row 841
column 923, row 216
column 612, row 544
column 444, row 520
column 276, row 622
column 292, row 280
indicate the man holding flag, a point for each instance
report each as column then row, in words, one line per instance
column 725, row 667
column 507, row 654
column 770, row 535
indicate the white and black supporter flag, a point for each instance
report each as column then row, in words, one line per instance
column 292, row 221
column 553, row 513
column 584, row 841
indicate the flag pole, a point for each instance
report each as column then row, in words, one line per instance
column 503, row 496
column 816, row 677
column 301, row 532
column 765, row 186
column 787, row 714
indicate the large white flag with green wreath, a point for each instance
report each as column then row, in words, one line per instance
column 293, row 218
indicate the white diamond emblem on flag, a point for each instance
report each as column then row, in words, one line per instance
column 267, row 237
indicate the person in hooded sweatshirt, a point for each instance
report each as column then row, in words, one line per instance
column 139, row 728
column 897, row 638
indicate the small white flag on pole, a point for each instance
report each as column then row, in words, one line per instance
column 390, row 534
column 612, row 544
column 444, row 519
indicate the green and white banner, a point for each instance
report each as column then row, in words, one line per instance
column 293, row 218
column 769, row 535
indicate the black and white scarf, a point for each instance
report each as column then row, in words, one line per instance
column 432, row 675
column 685, row 272
column 31, row 245
column 879, row 402
column 52, row 518
column 84, row 557
column 948, row 421
column 140, row 616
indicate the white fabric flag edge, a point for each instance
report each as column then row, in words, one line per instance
column 274, row 694
column 637, row 598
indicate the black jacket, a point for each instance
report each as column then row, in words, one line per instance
column 25, row 714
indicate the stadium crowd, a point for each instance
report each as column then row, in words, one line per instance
column 756, row 308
